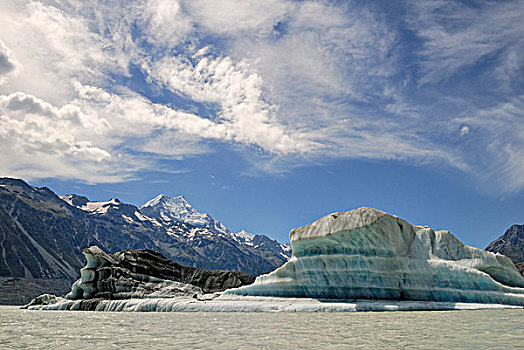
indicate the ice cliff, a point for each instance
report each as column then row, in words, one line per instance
column 368, row 254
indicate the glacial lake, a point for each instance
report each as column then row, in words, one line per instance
column 478, row 329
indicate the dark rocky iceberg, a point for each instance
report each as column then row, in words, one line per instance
column 139, row 274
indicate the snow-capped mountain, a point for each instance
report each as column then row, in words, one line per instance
column 263, row 242
column 178, row 208
column 43, row 235
column 188, row 236
column 169, row 210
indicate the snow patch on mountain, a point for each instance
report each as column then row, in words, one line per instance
column 91, row 207
column 245, row 237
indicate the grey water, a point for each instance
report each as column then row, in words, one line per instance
column 480, row 329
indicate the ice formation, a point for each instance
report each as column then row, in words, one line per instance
column 368, row 254
column 140, row 274
column 360, row 260
column 235, row 303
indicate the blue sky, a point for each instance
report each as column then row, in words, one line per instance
column 269, row 114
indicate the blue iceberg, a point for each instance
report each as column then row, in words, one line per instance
column 368, row 254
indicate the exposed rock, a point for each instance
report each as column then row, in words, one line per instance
column 520, row 267
column 511, row 244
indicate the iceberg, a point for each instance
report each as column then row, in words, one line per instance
column 138, row 274
column 368, row 254
column 361, row 260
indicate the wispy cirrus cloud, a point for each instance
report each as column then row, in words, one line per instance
column 295, row 82
column 460, row 36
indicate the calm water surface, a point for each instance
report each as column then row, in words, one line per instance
column 485, row 329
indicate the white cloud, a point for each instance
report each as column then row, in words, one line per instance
column 98, row 132
column 295, row 82
column 39, row 127
column 42, row 140
column 245, row 116
column 166, row 23
column 458, row 35
column 8, row 64
column 54, row 48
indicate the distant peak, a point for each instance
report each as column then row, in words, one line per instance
column 245, row 235
column 155, row 201
column 163, row 199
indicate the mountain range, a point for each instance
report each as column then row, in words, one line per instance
column 42, row 236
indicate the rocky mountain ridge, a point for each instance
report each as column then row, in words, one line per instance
column 511, row 244
column 42, row 236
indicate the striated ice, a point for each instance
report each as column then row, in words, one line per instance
column 366, row 253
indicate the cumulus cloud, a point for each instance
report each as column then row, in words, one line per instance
column 36, row 126
column 8, row 64
column 37, row 137
column 98, row 132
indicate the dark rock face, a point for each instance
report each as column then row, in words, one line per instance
column 42, row 236
column 520, row 267
column 511, row 244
